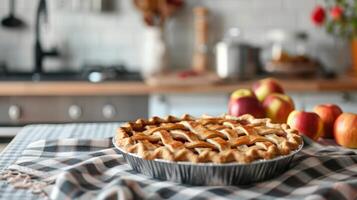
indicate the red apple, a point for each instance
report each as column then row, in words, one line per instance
column 243, row 101
column 307, row 123
column 345, row 130
column 242, row 93
column 278, row 107
column 328, row 113
column 265, row 87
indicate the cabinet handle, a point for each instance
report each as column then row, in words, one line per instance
column 14, row 112
column 74, row 112
column 109, row 111
column 346, row 97
column 162, row 99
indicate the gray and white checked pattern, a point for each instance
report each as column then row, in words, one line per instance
column 34, row 133
column 95, row 170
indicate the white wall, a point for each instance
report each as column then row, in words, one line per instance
column 90, row 37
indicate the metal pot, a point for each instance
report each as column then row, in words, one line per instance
column 236, row 59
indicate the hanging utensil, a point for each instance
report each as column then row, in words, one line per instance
column 11, row 21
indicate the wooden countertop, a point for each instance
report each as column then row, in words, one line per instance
column 77, row 88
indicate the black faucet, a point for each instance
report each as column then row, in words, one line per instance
column 40, row 53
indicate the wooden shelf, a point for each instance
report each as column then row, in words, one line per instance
column 15, row 88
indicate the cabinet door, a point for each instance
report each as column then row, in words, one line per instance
column 298, row 100
column 349, row 107
column 22, row 110
column 196, row 105
column 351, row 102
column 158, row 105
column 312, row 99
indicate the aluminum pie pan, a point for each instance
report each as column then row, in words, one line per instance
column 209, row 174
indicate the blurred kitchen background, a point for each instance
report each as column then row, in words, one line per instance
column 87, row 34
column 108, row 41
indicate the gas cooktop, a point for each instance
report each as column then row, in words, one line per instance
column 92, row 74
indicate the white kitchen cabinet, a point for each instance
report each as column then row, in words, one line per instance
column 216, row 104
column 307, row 101
column 349, row 107
column 196, row 105
column 312, row 99
column 298, row 100
column 157, row 105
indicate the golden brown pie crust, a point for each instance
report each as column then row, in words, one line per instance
column 224, row 139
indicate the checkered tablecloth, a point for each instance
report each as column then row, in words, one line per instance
column 93, row 169
column 34, row 133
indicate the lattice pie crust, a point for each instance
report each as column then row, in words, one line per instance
column 207, row 139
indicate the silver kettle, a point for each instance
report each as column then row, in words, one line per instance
column 235, row 59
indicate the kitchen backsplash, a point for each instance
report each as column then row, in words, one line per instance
column 89, row 36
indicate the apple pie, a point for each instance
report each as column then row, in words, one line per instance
column 224, row 139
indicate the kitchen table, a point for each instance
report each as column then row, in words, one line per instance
column 311, row 176
column 33, row 133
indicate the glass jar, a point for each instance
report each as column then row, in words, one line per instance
column 284, row 46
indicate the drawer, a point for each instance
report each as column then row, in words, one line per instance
column 195, row 105
column 25, row 110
